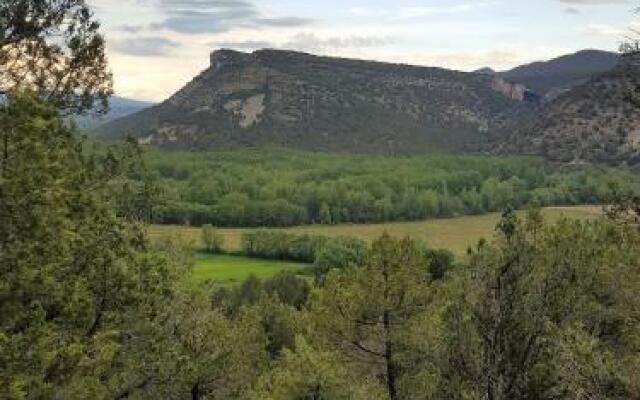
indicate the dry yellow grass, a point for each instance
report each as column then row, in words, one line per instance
column 455, row 234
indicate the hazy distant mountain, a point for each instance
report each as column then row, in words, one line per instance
column 550, row 78
column 119, row 107
column 598, row 120
column 305, row 101
column 486, row 70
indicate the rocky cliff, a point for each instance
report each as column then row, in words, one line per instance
column 311, row 102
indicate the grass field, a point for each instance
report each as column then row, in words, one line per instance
column 454, row 234
column 227, row 269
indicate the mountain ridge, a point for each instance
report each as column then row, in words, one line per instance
column 325, row 103
column 596, row 121
column 119, row 107
column 551, row 77
column 300, row 100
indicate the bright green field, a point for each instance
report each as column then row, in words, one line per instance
column 227, row 269
column 454, row 234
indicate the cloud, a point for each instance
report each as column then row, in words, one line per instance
column 572, row 10
column 602, row 30
column 131, row 28
column 593, row 2
column 424, row 11
column 283, row 22
column 243, row 45
column 369, row 12
column 309, row 42
column 144, row 47
column 217, row 16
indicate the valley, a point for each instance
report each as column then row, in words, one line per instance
column 387, row 200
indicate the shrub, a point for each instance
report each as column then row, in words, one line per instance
column 212, row 240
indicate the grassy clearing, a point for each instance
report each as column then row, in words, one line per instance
column 454, row 234
column 228, row 269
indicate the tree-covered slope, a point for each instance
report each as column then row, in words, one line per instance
column 598, row 121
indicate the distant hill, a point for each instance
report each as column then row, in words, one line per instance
column 551, row 78
column 322, row 103
column 598, row 120
column 119, row 107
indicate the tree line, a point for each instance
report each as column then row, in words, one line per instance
column 278, row 187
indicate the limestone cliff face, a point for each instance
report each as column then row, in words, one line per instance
column 300, row 100
column 515, row 91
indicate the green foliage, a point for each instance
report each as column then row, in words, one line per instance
column 439, row 263
column 85, row 300
column 371, row 315
column 283, row 188
column 286, row 287
column 55, row 49
column 90, row 309
column 326, row 252
column 307, row 373
column 75, row 277
column 339, row 253
column 212, row 240
column 540, row 314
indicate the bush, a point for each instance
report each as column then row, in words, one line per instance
column 324, row 252
column 439, row 262
column 212, row 240
column 339, row 253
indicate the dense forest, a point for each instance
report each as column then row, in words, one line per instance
column 276, row 187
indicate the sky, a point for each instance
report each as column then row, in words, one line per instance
column 157, row 46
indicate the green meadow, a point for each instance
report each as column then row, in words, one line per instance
column 230, row 269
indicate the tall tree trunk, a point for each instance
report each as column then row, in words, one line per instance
column 392, row 372
column 195, row 391
column 5, row 152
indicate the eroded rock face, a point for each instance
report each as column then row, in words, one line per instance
column 514, row 91
column 248, row 111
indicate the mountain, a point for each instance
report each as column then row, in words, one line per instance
column 119, row 107
column 322, row 103
column 486, row 70
column 597, row 121
column 551, row 78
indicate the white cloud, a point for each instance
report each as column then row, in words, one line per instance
column 498, row 58
column 310, row 42
column 601, row 30
column 424, row 11
column 594, row 2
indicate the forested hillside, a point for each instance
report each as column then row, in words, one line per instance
column 597, row 121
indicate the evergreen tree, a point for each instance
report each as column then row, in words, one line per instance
column 372, row 315
column 54, row 48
